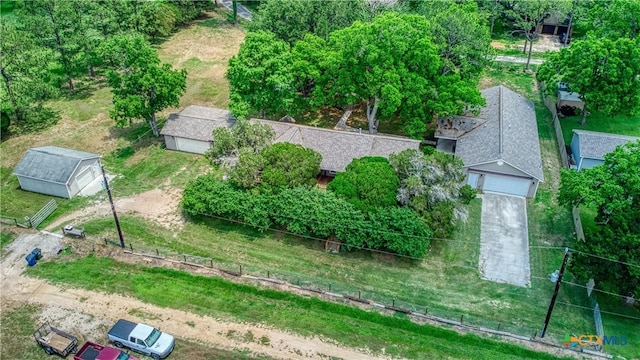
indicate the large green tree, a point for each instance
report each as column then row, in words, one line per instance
column 613, row 189
column 461, row 33
column 141, row 85
column 291, row 20
column 606, row 74
column 260, row 76
column 368, row 183
column 393, row 66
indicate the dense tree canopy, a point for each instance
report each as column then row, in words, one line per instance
column 612, row 19
column 288, row 165
column 461, row 33
column 614, row 190
column 291, row 20
column 368, row 183
column 24, row 75
column 393, row 66
column 606, row 73
column 260, row 76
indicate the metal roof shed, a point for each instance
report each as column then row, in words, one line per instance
column 57, row 171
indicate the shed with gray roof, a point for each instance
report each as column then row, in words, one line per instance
column 588, row 148
column 499, row 147
column 57, row 171
column 194, row 125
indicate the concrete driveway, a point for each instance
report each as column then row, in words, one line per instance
column 504, row 240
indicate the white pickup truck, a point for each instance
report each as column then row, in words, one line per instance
column 141, row 338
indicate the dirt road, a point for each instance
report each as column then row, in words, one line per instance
column 89, row 313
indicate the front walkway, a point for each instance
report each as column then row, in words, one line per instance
column 504, row 240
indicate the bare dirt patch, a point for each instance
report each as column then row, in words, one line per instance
column 88, row 314
column 162, row 206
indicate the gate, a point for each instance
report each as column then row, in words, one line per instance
column 42, row 214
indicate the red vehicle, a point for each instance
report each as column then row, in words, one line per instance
column 93, row 351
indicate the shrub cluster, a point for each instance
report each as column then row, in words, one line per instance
column 311, row 212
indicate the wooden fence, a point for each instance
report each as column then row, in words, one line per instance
column 548, row 102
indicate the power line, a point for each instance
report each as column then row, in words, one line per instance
column 602, row 311
column 604, row 258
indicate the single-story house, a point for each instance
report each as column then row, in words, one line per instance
column 589, row 147
column 499, row 147
column 57, row 171
column 191, row 130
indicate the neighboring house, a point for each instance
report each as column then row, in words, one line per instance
column 589, row 147
column 556, row 25
column 499, row 147
column 57, row 171
column 191, row 130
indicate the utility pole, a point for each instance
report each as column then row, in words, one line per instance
column 113, row 207
column 555, row 292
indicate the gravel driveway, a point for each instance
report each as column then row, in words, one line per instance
column 504, row 240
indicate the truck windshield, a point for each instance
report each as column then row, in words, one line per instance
column 123, row 356
column 153, row 337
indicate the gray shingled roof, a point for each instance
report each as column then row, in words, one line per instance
column 197, row 122
column 338, row 148
column 594, row 145
column 510, row 134
column 51, row 163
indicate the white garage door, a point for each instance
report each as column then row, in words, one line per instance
column 84, row 178
column 472, row 179
column 506, row 184
column 192, row 146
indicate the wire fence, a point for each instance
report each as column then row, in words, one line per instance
column 344, row 292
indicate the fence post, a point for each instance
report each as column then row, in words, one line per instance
column 157, row 252
column 358, row 294
column 499, row 326
column 240, row 269
column 268, row 274
column 461, row 318
column 393, row 302
column 426, row 311
column 211, row 262
column 131, row 247
column 184, row 257
column 329, row 286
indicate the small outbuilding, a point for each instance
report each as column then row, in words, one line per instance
column 57, row 171
column 499, row 147
column 588, row 148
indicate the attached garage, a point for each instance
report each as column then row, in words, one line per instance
column 500, row 147
column 57, row 171
column 506, row 184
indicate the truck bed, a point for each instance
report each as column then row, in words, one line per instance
column 122, row 329
column 89, row 353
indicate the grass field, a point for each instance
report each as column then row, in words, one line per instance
column 219, row 298
column 18, row 344
column 446, row 282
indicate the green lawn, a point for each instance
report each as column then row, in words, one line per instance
column 215, row 297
